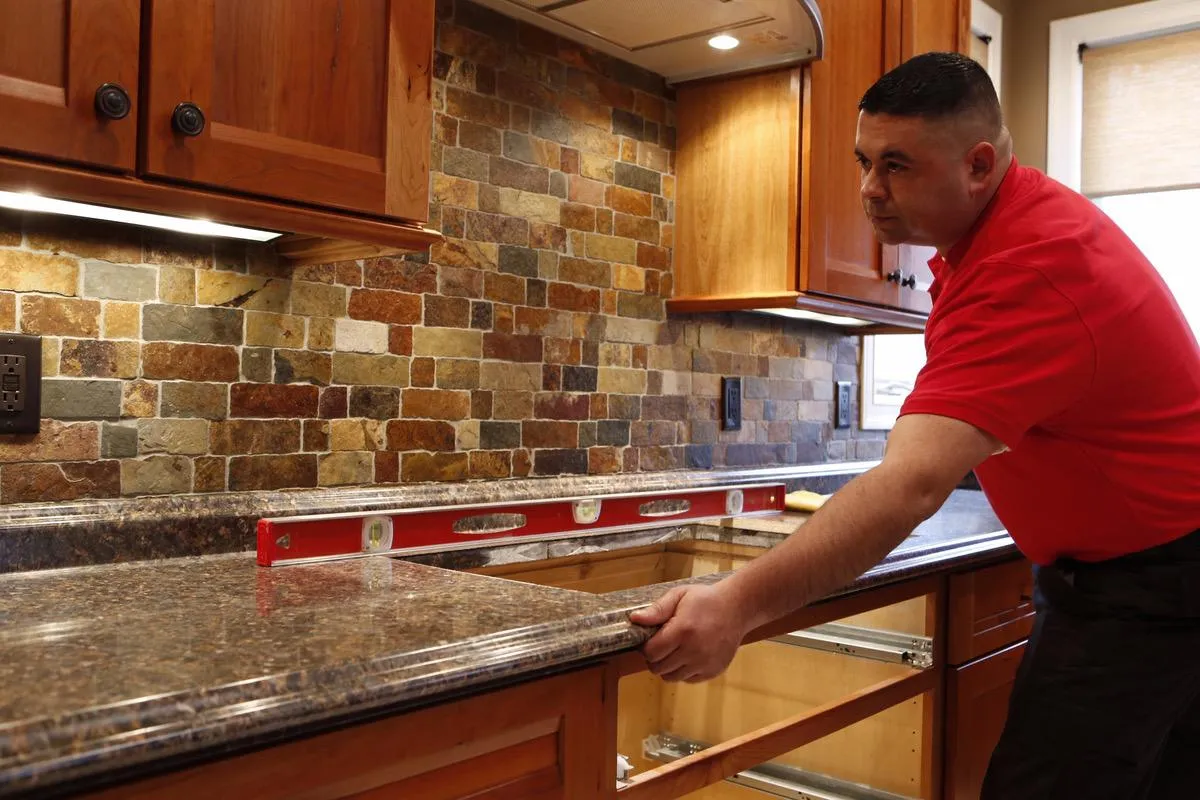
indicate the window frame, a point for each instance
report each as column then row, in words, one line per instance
column 1064, row 117
column 988, row 22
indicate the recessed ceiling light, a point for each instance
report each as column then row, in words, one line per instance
column 28, row 201
column 723, row 42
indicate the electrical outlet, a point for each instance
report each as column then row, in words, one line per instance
column 843, row 404
column 20, row 383
column 731, row 413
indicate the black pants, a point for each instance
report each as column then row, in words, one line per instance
column 1106, row 704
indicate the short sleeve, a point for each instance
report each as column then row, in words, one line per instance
column 1009, row 352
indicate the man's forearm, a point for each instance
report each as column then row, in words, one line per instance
column 854, row 530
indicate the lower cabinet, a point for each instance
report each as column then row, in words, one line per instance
column 990, row 615
column 977, row 705
column 549, row 739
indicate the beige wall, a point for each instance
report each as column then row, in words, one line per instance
column 1026, row 56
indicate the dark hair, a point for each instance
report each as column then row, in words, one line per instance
column 934, row 85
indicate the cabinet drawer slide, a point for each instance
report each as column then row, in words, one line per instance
column 854, row 640
column 774, row 780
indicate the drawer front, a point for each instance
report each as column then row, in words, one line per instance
column 989, row 609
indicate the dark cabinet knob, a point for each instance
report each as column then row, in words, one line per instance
column 188, row 119
column 112, row 102
column 894, row 277
column 910, row 282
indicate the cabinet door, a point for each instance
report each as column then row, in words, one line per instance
column 54, row 57
column 317, row 101
column 841, row 254
column 977, row 706
column 549, row 739
column 934, row 25
column 925, row 26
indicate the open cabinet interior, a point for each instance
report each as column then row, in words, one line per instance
column 886, row 755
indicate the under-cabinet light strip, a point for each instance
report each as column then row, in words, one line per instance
column 29, row 201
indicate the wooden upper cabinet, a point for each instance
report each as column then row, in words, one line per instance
column 323, row 102
column 738, row 172
column 926, row 26
column 55, row 55
column 841, row 255
column 934, row 25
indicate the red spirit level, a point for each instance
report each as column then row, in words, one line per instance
column 322, row 537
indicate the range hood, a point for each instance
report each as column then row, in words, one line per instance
column 670, row 37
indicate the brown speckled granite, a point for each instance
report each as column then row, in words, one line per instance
column 106, row 667
column 106, row 671
column 54, row 535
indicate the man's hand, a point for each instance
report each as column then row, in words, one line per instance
column 702, row 626
column 700, row 633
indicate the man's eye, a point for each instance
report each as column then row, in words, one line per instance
column 893, row 167
column 862, row 162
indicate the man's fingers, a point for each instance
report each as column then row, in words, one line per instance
column 683, row 673
column 660, row 610
column 673, row 661
column 661, row 644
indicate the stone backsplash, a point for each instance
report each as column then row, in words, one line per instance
column 533, row 341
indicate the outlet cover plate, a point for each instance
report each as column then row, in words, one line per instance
column 20, row 384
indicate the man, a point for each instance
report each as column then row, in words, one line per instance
column 1061, row 369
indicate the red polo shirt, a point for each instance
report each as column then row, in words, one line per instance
column 1052, row 332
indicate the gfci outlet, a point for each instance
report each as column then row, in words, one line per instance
column 20, row 383
column 843, row 405
column 731, row 411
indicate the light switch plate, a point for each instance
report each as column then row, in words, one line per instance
column 20, row 383
column 731, row 404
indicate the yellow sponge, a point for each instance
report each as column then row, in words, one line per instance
column 804, row 500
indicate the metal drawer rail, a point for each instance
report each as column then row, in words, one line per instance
column 852, row 640
column 774, row 780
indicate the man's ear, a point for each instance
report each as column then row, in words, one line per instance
column 981, row 163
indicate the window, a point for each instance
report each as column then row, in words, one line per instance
column 1124, row 108
column 890, row 363
column 987, row 39
column 890, row 366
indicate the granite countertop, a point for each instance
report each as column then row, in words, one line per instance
column 105, row 669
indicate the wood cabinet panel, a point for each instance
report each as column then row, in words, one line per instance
column 926, row 26
column 550, row 739
column 316, row 101
column 840, row 254
column 54, row 56
column 738, row 170
column 978, row 696
column 989, row 608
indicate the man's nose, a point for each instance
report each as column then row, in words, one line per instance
column 873, row 187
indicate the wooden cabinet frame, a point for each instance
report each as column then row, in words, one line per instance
column 57, row 146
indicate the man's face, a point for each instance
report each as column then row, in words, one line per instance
column 915, row 180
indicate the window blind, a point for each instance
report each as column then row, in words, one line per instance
column 1141, row 115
